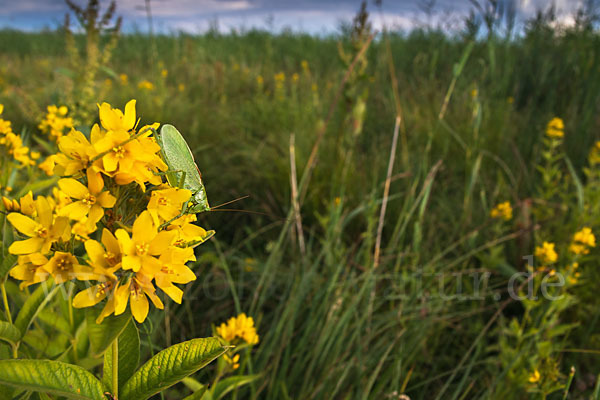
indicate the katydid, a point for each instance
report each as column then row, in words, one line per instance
column 183, row 171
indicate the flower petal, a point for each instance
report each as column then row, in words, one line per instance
column 26, row 246
column 73, row 188
column 23, row 224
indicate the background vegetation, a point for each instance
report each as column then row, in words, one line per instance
column 473, row 107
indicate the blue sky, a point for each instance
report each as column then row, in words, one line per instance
column 314, row 16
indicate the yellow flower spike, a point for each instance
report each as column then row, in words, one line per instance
column 113, row 119
column 166, row 204
column 29, row 269
column 88, row 199
column 503, row 211
column 555, row 128
column 546, row 253
column 42, row 233
column 64, row 267
column 241, row 327
column 145, row 243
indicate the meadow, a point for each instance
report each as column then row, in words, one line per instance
column 348, row 303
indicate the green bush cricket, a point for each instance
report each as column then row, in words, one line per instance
column 183, row 171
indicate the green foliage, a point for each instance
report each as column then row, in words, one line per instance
column 129, row 356
column 102, row 335
column 52, row 377
column 170, row 366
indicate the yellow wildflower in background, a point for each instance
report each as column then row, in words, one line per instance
column 555, row 128
column 546, row 253
column 124, row 79
column 582, row 241
column 502, row 210
column 164, row 73
column 56, row 123
column 534, row 377
column 146, row 85
column 594, row 156
column 233, row 361
column 240, row 327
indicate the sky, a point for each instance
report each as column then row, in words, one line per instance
column 312, row 16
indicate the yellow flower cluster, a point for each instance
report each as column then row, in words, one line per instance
column 240, row 327
column 555, row 128
column 594, row 156
column 582, row 241
column 14, row 144
column 56, row 123
column 503, row 211
column 546, row 253
column 110, row 191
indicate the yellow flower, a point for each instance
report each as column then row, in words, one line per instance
column 42, row 233
column 555, row 128
column 546, row 253
column 76, row 153
column 64, row 266
column 174, row 270
column 106, row 257
column 166, row 204
column 295, row 77
column 164, row 73
column 181, row 87
column 534, row 377
column 502, row 210
column 233, row 361
column 55, row 123
column 124, row 78
column 113, row 119
column 29, row 269
column 136, row 291
column 145, row 243
column 146, row 85
column 188, row 234
column 48, row 165
column 474, row 93
column 594, row 156
column 241, row 327
column 582, row 241
column 10, row 205
column 87, row 198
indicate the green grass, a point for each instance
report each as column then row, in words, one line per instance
column 331, row 326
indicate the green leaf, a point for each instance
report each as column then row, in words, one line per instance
column 129, row 356
column 37, row 186
column 34, row 304
column 102, row 335
column 170, row 366
column 9, row 332
column 52, row 377
column 8, row 261
column 228, row 384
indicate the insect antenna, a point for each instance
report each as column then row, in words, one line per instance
column 230, row 201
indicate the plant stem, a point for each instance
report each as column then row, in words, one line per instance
column 5, row 300
column 115, row 368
